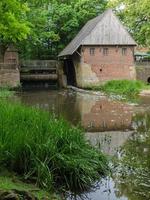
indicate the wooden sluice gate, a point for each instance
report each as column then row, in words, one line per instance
column 39, row 72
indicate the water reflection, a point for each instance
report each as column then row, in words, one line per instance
column 104, row 190
column 133, row 172
column 105, row 115
column 109, row 142
column 131, row 168
column 58, row 103
column 119, row 129
column 93, row 113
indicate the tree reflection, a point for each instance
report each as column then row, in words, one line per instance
column 132, row 176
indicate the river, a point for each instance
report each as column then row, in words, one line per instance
column 120, row 130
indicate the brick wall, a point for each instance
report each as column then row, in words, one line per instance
column 114, row 65
column 98, row 68
column 9, row 77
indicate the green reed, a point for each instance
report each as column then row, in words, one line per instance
column 46, row 150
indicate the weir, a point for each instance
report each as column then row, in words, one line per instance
column 39, row 71
column 47, row 73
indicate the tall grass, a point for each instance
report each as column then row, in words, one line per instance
column 5, row 92
column 128, row 88
column 46, row 150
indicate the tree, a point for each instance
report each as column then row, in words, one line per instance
column 55, row 23
column 136, row 15
column 14, row 26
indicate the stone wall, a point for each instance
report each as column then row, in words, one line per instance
column 143, row 72
column 9, row 77
column 9, row 68
column 62, row 79
column 11, row 55
column 99, row 68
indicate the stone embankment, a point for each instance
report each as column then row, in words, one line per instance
column 97, row 93
column 9, row 77
column 16, row 195
column 145, row 93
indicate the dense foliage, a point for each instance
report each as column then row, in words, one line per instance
column 41, row 29
column 46, row 150
column 14, row 25
column 55, row 23
column 136, row 17
column 49, row 25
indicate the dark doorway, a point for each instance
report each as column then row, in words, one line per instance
column 148, row 80
column 69, row 70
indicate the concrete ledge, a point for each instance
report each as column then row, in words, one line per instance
column 86, row 91
column 145, row 93
column 38, row 77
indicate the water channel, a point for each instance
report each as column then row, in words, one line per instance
column 120, row 130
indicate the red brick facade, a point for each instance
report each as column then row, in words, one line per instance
column 110, row 62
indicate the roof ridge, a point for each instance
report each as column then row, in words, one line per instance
column 82, row 29
column 104, row 29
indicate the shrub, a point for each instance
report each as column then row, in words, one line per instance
column 47, row 150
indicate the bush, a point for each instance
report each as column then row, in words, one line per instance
column 47, row 150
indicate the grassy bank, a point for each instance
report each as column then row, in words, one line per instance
column 11, row 186
column 126, row 88
column 45, row 150
column 5, row 92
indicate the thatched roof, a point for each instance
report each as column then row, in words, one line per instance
column 106, row 29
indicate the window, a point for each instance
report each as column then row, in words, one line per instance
column 92, row 51
column 105, row 51
column 124, row 51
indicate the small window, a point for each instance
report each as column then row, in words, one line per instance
column 92, row 51
column 124, row 51
column 105, row 51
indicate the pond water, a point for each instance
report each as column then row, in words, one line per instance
column 119, row 129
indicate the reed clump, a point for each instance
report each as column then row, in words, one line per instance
column 46, row 150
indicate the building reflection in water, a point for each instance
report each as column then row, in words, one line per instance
column 108, row 124
column 105, row 115
column 93, row 113
column 105, row 121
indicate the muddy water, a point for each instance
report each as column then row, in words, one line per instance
column 118, row 129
